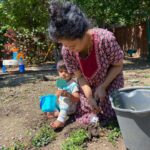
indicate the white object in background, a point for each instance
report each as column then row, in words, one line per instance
column 10, row 62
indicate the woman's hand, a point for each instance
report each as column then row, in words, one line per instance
column 100, row 93
column 93, row 104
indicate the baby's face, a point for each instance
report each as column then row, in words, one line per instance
column 64, row 74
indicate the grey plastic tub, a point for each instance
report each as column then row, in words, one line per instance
column 132, row 107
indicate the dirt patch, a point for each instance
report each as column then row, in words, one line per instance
column 20, row 115
column 19, row 105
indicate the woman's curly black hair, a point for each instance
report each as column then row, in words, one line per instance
column 67, row 21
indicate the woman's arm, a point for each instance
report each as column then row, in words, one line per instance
column 84, row 85
column 114, row 56
column 87, row 91
column 114, row 70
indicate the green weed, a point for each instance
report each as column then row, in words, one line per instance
column 147, row 76
column 76, row 140
column 44, row 136
column 4, row 148
column 17, row 146
column 114, row 133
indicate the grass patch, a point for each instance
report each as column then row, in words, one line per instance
column 134, row 81
column 114, row 132
column 4, row 148
column 146, row 84
column 147, row 76
column 114, row 135
column 44, row 136
column 17, row 146
column 76, row 140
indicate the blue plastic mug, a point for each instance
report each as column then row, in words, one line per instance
column 48, row 103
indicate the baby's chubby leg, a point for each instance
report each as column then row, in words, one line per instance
column 64, row 106
column 60, row 122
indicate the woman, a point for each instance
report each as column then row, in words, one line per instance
column 92, row 54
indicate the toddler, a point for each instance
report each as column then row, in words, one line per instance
column 68, row 97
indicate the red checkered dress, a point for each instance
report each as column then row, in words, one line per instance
column 94, row 67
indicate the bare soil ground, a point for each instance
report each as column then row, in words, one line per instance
column 20, row 116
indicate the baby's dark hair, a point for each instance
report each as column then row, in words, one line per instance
column 61, row 65
column 67, row 21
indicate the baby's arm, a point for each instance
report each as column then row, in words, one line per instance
column 73, row 97
column 58, row 92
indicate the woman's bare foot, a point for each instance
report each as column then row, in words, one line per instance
column 50, row 115
column 57, row 124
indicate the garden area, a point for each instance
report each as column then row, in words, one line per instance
column 24, row 126
column 24, row 37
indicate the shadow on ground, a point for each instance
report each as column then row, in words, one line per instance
column 27, row 77
column 136, row 63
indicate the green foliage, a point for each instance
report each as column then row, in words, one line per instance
column 120, row 12
column 114, row 133
column 29, row 18
column 71, row 146
column 33, row 43
column 76, row 140
column 17, row 146
column 3, row 30
column 3, row 39
column 146, row 76
column 31, row 14
column 44, row 136
column 24, row 13
column 4, row 148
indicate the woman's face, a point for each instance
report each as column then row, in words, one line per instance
column 76, row 45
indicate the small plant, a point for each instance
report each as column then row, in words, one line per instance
column 71, row 146
column 17, row 146
column 114, row 133
column 76, row 140
column 44, row 136
column 4, row 148
column 147, row 76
